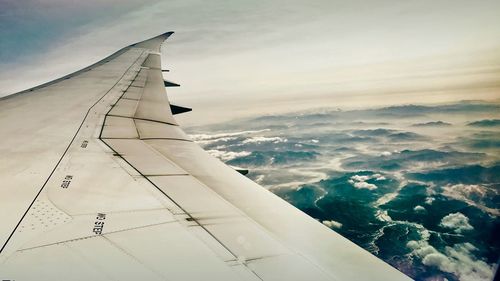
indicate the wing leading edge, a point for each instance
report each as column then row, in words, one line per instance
column 101, row 182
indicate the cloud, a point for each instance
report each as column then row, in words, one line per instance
column 202, row 137
column 419, row 209
column 458, row 260
column 360, row 178
column 477, row 195
column 259, row 178
column 272, row 157
column 487, row 139
column 378, row 177
column 332, row 224
column 429, row 200
column 207, row 142
column 365, row 185
column 392, row 135
column 485, row 123
column 359, row 181
column 484, row 143
column 264, row 139
column 228, row 155
column 456, row 221
column 410, row 159
column 417, row 110
column 471, row 174
column 405, row 136
column 432, row 124
column 383, row 215
column 374, row 132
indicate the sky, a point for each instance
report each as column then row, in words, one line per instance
column 239, row 58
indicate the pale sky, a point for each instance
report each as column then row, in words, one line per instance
column 236, row 58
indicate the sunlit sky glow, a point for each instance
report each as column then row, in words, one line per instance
column 268, row 56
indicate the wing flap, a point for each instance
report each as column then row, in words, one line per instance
column 146, row 160
column 154, row 104
column 133, row 93
column 119, row 127
column 124, row 108
column 155, row 130
column 153, row 61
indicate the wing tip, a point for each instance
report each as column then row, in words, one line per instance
column 153, row 43
column 168, row 33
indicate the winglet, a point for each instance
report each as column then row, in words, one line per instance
column 154, row 43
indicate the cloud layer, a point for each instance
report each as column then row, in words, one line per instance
column 419, row 197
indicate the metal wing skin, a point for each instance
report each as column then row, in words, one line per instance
column 99, row 182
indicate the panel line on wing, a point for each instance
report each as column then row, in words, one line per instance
column 137, row 118
column 123, row 212
column 95, row 236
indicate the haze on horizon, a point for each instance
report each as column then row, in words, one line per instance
column 238, row 58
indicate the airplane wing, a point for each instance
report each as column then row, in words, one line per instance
column 99, row 182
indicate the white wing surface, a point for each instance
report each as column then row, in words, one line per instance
column 99, row 182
